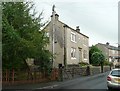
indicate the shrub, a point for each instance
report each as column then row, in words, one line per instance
column 83, row 64
column 111, row 63
column 106, row 63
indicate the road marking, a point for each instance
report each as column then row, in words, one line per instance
column 53, row 86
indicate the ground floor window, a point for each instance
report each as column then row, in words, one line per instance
column 85, row 54
column 73, row 52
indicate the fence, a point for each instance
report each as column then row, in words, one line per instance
column 14, row 77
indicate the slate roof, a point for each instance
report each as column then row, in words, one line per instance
column 110, row 46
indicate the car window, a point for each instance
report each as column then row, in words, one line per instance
column 115, row 73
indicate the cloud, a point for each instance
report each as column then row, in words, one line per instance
column 97, row 19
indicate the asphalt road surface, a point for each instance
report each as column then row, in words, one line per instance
column 91, row 82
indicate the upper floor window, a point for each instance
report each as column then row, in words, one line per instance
column 73, row 37
column 85, row 40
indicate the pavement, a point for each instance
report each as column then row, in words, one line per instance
column 53, row 84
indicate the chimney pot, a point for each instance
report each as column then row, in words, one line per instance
column 107, row 43
column 77, row 29
column 56, row 16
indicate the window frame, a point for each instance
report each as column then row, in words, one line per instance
column 73, row 37
column 73, row 53
column 85, row 54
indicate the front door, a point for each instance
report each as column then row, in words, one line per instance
column 80, row 54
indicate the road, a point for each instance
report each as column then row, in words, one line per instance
column 91, row 82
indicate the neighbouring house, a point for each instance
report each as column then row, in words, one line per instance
column 111, row 52
column 69, row 45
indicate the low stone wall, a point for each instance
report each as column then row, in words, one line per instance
column 71, row 72
column 106, row 68
column 95, row 70
column 80, row 71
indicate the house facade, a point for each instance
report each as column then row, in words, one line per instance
column 69, row 46
column 111, row 52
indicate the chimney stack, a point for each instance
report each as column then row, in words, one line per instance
column 107, row 43
column 56, row 16
column 77, row 29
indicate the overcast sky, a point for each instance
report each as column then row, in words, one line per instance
column 98, row 19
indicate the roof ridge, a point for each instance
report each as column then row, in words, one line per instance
column 73, row 29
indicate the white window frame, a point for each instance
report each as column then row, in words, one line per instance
column 85, row 54
column 73, row 37
column 73, row 53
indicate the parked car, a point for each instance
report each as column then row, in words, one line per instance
column 113, row 79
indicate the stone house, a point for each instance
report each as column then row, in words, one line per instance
column 69, row 45
column 110, row 52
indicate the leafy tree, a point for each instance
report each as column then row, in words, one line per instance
column 21, row 36
column 92, row 50
column 102, row 57
column 98, row 59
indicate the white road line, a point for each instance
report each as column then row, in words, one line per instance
column 48, row 87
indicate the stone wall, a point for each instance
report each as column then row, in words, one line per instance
column 95, row 70
column 106, row 68
column 72, row 72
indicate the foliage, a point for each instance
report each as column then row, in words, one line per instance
column 83, row 63
column 111, row 63
column 21, row 36
column 106, row 62
column 44, row 62
column 92, row 50
column 97, row 58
